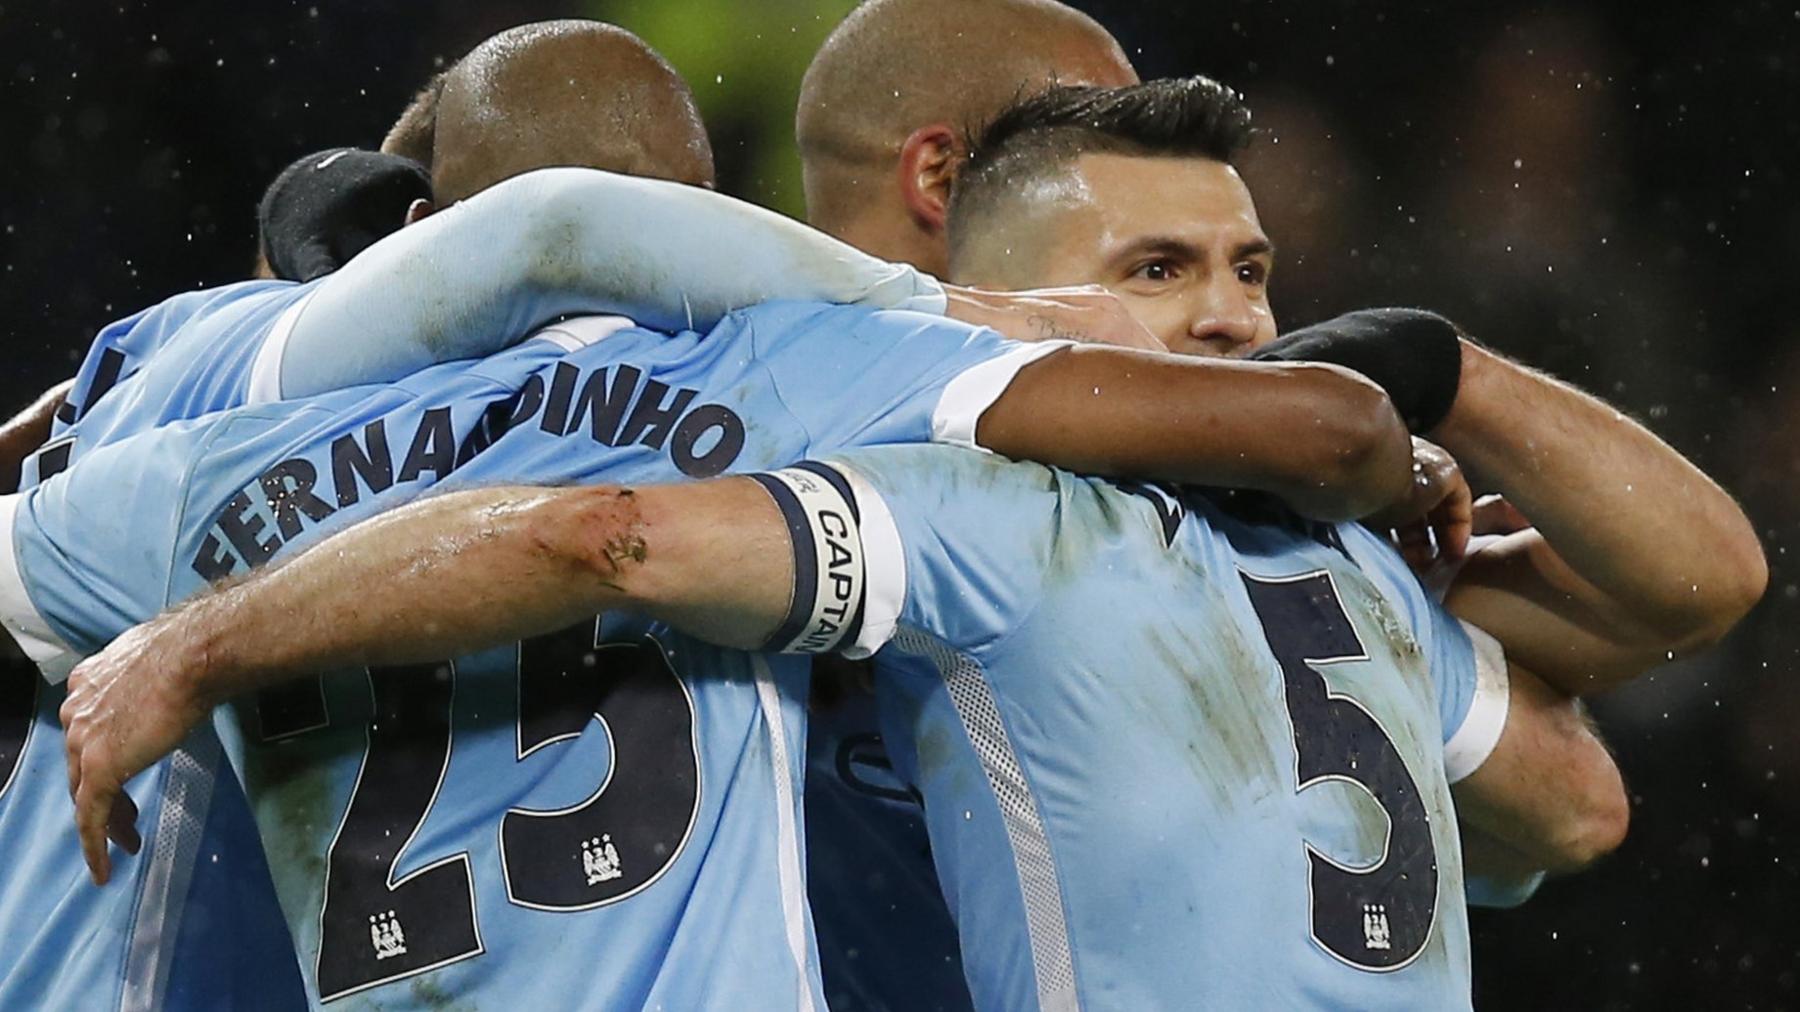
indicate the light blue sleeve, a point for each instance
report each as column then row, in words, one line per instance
column 956, row 542
column 1452, row 658
column 123, row 347
column 89, row 551
column 482, row 274
column 857, row 377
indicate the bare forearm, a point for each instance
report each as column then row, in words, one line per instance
column 431, row 580
column 475, row 569
column 1668, row 550
column 1321, row 438
column 1550, row 790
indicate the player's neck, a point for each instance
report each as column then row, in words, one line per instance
column 894, row 237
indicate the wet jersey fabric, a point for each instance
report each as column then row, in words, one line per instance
column 181, row 358
column 1169, row 758
column 505, row 827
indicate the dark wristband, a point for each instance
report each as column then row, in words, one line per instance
column 1413, row 354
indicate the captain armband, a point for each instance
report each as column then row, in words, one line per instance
column 830, row 565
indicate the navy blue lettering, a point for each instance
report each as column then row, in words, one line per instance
column 556, row 408
column 106, row 376
column 241, row 528
column 350, row 462
column 604, row 406
column 697, row 424
column 651, row 422
column 287, row 500
column 433, row 446
column 500, row 416
column 212, row 562
column 53, row 459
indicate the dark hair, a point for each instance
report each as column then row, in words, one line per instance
column 1195, row 117
column 1181, row 117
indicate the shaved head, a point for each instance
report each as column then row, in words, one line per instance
column 572, row 92
column 896, row 66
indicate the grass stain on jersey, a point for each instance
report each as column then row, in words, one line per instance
column 428, row 993
column 1233, row 736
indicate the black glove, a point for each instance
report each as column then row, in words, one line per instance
column 1415, row 355
column 327, row 207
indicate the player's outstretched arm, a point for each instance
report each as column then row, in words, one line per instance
column 476, row 277
column 1548, row 798
column 1325, row 440
column 1635, row 555
column 457, row 572
column 479, row 276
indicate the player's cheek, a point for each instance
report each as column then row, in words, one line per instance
column 1163, row 313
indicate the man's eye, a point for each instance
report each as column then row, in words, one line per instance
column 1156, row 270
column 1252, row 273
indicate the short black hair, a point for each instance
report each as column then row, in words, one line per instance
column 1178, row 117
column 1194, row 117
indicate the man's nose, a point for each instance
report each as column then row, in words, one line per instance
column 1225, row 319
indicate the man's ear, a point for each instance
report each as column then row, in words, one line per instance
column 417, row 211
column 928, row 160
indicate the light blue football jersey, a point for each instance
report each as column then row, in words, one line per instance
column 1169, row 758
column 470, row 830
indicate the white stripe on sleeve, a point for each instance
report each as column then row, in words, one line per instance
column 265, row 372
column 884, row 568
column 970, row 394
column 20, row 617
column 1474, row 740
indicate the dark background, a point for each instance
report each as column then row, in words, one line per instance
column 1603, row 189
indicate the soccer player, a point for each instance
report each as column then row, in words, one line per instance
column 1133, row 188
column 109, row 945
column 241, row 363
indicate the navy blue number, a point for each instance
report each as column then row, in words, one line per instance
column 625, row 834
column 1376, row 918
column 375, row 929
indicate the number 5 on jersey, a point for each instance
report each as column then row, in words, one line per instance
column 1376, row 918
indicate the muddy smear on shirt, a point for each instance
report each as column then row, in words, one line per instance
column 290, row 787
column 428, row 993
column 1232, row 737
